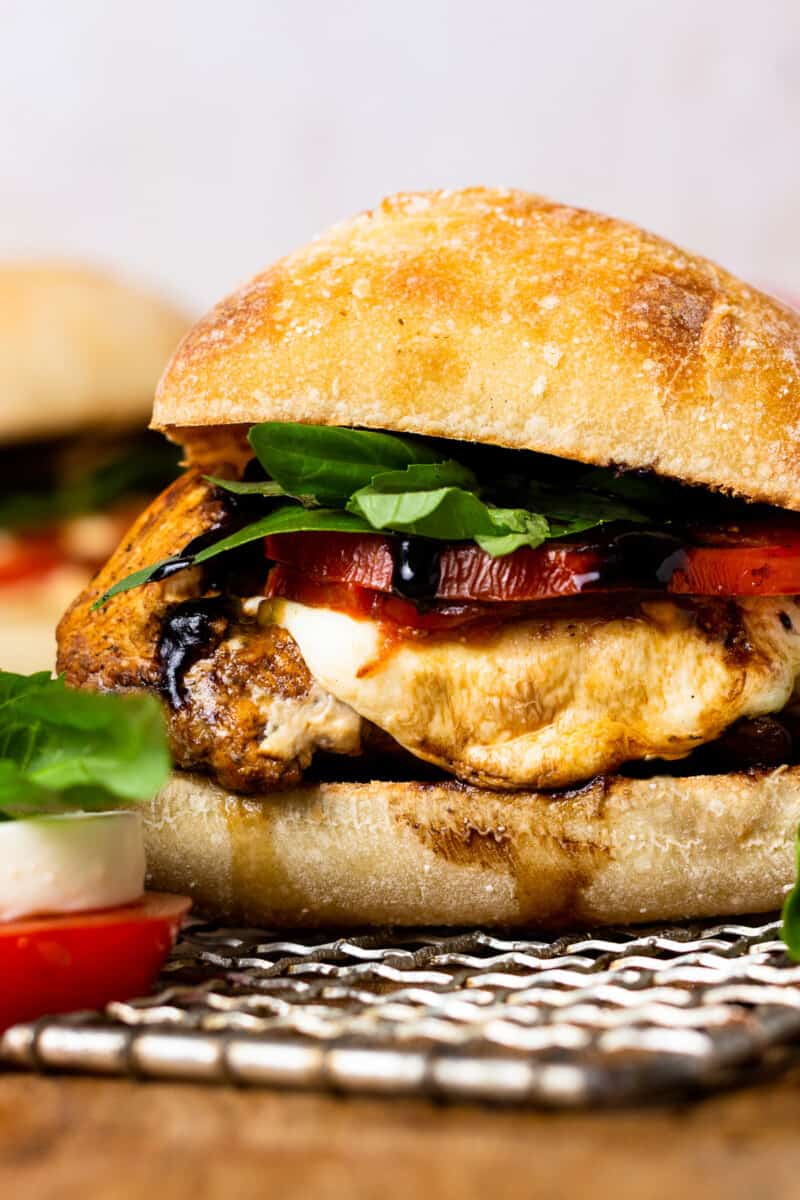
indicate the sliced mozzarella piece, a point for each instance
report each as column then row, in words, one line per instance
column 70, row 862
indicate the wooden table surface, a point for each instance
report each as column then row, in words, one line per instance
column 106, row 1139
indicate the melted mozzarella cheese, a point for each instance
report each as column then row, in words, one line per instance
column 70, row 862
column 546, row 703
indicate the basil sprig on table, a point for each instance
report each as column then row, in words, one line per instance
column 62, row 749
column 358, row 481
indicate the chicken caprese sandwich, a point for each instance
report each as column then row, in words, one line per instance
column 80, row 353
column 478, row 600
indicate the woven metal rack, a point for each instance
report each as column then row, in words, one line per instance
column 615, row 1017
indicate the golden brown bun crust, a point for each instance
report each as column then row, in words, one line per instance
column 78, row 348
column 619, row 850
column 497, row 316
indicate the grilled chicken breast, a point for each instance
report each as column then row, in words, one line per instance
column 241, row 704
column 547, row 702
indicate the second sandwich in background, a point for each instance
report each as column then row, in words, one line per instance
column 80, row 354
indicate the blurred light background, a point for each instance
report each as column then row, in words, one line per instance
column 192, row 141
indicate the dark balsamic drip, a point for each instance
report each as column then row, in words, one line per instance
column 185, row 558
column 240, row 570
column 641, row 558
column 190, row 631
column 417, row 565
column 645, row 559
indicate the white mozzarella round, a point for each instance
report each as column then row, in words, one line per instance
column 70, row 862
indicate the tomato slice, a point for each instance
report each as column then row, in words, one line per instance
column 745, row 572
column 363, row 558
column 31, row 555
column 559, row 569
column 466, row 572
column 85, row 960
column 362, row 602
column 761, row 558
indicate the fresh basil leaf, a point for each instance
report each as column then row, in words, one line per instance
column 790, row 925
column 646, row 490
column 445, row 513
column 289, row 519
column 19, row 794
column 524, row 529
column 134, row 580
column 262, row 487
column 13, row 688
column 61, row 748
column 573, row 512
column 425, row 477
column 330, row 462
column 414, row 478
column 448, row 514
column 501, row 544
column 20, row 797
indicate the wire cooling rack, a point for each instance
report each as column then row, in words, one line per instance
column 615, row 1017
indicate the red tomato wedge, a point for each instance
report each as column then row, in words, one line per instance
column 28, row 556
column 762, row 559
column 85, row 960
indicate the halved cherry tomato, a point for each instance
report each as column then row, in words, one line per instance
column 31, row 555
column 85, row 960
column 761, row 558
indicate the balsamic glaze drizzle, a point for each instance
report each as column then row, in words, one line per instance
column 192, row 629
column 644, row 559
column 641, row 558
column 417, row 566
column 185, row 557
column 189, row 632
column 237, row 511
